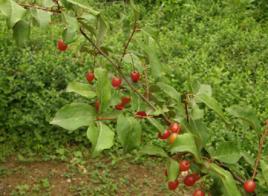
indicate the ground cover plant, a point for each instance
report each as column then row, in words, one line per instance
column 131, row 94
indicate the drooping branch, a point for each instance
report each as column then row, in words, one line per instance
column 261, row 143
column 47, row 9
column 117, row 67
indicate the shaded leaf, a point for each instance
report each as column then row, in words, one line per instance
column 172, row 170
column 74, row 115
column 43, row 18
column 101, row 137
column 264, row 170
column 69, row 35
column 245, row 113
column 81, row 89
column 186, row 143
column 151, row 149
column 21, row 32
column 156, row 124
column 170, row 91
column 227, row 152
column 70, row 4
column 129, row 132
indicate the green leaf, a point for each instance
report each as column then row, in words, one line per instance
column 12, row 11
column 74, row 115
column 186, row 143
column 156, row 124
column 48, row 3
column 101, row 30
column 172, row 170
column 249, row 159
column 101, row 137
column 264, row 170
column 196, row 112
column 170, row 91
column 70, row 4
column 81, row 89
column 204, row 89
column 212, row 104
column 245, row 113
column 69, row 35
column 132, row 59
column 103, row 87
column 227, row 152
column 151, row 149
column 21, row 32
column 227, row 180
column 129, row 132
column 43, row 18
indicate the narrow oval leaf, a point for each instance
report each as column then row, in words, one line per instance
column 151, row 149
column 227, row 152
column 170, row 91
column 156, row 124
column 129, row 132
column 227, row 180
column 42, row 17
column 101, row 137
column 245, row 113
column 185, row 143
column 212, row 104
column 21, row 32
column 264, row 170
column 172, row 170
column 70, row 4
column 82, row 89
column 69, row 35
column 74, row 115
column 103, row 87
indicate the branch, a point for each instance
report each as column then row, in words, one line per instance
column 128, row 41
column 261, row 143
column 29, row 6
column 117, row 67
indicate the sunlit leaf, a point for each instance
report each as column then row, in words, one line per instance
column 151, row 149
column 81, row 89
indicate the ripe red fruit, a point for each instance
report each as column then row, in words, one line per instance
column 90, row 76
column 198, row 192
column 184, row 165
column 250, row 186
column 141, row 114
column 119, row 106
column 125, row 100
column 172, row 185
column 189, row 180
column 61, row 45
column 116, row 82
column 165, row 135
column 196, row 176
column 175, row 127
column 172, row 138
column 97, row 105
column 135, row 76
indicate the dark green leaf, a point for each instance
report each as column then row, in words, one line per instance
column 21, row 32
column 74, row 115
column 156, row 124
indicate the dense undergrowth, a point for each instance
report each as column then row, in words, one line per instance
column 220, row 43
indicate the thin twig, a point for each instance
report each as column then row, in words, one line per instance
column 261, row 143
column 128, row 41
column 29, row 6
column 186, row 107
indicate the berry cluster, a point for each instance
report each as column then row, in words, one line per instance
column 171, row 133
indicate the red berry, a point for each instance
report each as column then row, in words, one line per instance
column 116, row 82
column 97, row 105
column 172, row 138
column 172, row 185
column 189, row 180
column 175, row 127
column 135, row 76
column 165, row 135
column 125, row 100
column 119, row 106
column 141, row 114
column 90, row 76
column 250, row 186
column 184, row 165
column 61, row 45
column 198, row 192
column 196, row 176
